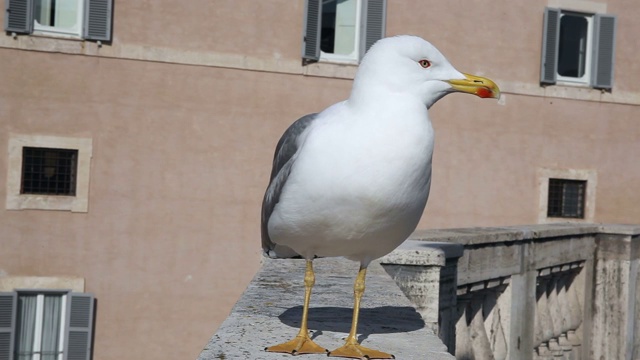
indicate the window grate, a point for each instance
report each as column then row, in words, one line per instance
column 566, row 198
column 49, row 171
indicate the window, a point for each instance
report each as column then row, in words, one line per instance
column 578, row 48
column 575, row 33
column 566, row 195
column 58, row 16
column 45, row 325
column 566, row 198
column 48, row 173
column 342, row 30
column 87, row 19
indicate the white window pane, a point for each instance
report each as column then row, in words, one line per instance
column 66, row 14
column 26, row 327
column 51, row 327
column 345, row 39
column 57, row 13
column 572, row 52
column 338, row 34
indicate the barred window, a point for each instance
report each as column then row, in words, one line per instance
column 49, row 171
column 566, row 198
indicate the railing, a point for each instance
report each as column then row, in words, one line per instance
column 529, row 292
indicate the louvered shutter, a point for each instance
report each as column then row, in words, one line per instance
column 18, row 16
column 550, row 42
column 97, row 19
column 375, row 16
column 312, row 28
column 79, row 326
column 8, row 308
column 603, row 51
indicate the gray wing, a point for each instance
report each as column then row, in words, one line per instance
column 282, row 162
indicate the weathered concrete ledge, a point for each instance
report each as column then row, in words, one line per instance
column 269, row 312
column 531, row 292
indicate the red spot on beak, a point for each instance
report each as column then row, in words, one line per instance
column 483, row 92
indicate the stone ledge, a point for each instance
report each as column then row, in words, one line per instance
column 632, row 230
column 423, row 253
column 507, row 234
column 269, row 312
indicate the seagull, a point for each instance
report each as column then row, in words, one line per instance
column 353, row 180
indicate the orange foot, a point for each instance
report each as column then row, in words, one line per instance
column 358, row 351
column 301, row 344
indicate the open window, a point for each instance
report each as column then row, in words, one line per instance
column 342, row 30
column 578, row 48
column 86, row 19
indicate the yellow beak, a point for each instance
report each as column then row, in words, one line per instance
column 477, row 85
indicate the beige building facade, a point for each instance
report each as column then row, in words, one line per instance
column 175, row 117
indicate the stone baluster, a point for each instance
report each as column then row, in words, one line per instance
column 478, row 334
column 464, row 350
column 575, row 305
column 494, row 322
column 555, row 312
column 539, row 321
column 544, row 311
column 563, row 302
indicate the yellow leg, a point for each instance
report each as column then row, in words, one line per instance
column 302, row 343
column 351, row 348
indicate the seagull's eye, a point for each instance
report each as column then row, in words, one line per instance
column 424, row 63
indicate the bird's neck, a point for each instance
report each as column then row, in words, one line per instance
column 379, row 97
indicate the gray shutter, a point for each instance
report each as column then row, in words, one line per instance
column 97, row 19
column 8, row 308
column 18, row 16
column 312, row 29
column 550, row 42
column 375, row 16
column 603, row 51
column 79, row 327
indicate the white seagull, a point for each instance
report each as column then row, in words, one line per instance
column 353, row 180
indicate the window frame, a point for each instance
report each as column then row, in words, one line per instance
column 564, row 198
column 600, row 47
column 15, row 200
column 354, row 57
column 39, row 29
column 95, row 19
column 79, row 314
column 73, row 170
column 40, row 312
column 589, row 52
column 370, row 23
column 588, row 175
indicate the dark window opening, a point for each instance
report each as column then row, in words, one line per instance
column 49, row 171
column 338, row 28
column 328, row 31
column 566, row 198
column 572, row 51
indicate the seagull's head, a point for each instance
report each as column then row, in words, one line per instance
column 411, row 65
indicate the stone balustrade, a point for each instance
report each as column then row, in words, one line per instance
column 555, row 291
